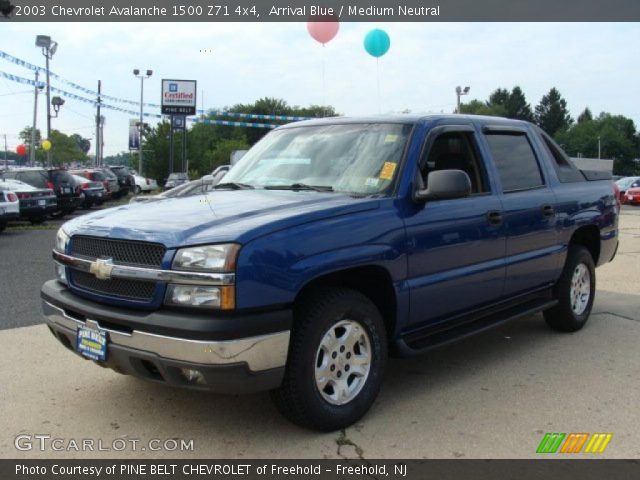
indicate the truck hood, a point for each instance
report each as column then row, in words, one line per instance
column 218, row 216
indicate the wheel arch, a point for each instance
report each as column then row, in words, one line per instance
column 587, row 236
column 373, row 281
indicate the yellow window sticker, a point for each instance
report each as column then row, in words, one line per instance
column 388, row 169
column 390, row 138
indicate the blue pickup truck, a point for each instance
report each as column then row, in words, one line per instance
column 332, row 244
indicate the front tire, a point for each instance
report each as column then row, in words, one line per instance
column 337, row 357
column 575, row 292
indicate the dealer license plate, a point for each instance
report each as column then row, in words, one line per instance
column 92, row 343
column 42, row 203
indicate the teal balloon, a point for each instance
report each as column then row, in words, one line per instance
column 377, row 42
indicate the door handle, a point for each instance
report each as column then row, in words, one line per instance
column 548, row 211
column 494, row 217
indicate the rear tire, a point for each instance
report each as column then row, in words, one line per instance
column 337, row 357
column 3, row 225
column 575, row 292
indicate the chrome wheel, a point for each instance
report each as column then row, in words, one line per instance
column 580, row 289
column 343, row 362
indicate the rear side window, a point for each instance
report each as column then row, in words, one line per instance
column 516, row 163
column 61, row 176
column 35, row 178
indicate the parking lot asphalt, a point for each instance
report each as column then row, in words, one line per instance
column 490, row 396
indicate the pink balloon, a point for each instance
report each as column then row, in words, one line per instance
column 323, row 32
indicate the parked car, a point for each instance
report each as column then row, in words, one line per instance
column 97, row 175
column 125, row 180
column 56, row 179
column 112, row 178
column 331, row 243
column 176, row 179
column 9, row 206
column 625, row 184
column 193, row 187
column 633, row 196
column 92, row 192
column 35, row 203
column 144, row 184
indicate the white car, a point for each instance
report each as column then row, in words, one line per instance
column 9, row 206
column 145, row 184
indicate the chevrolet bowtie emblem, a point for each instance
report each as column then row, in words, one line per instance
column 101, row 268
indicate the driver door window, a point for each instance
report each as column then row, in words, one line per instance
column 455, row 151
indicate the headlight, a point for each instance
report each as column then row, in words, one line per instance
column 207, row 258
column 200, row 296
column 62, row 240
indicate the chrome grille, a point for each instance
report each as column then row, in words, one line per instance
column 131, row 289
column 123, row 252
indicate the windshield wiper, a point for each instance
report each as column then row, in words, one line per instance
column 300, row 186
column 234, row 186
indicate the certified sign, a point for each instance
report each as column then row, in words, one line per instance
column 178, row 97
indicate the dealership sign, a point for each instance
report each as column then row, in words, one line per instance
column 178, row 97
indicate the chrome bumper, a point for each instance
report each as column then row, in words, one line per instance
column 258, row 353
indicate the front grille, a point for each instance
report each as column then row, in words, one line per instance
column 132, row 289
column 123, row 252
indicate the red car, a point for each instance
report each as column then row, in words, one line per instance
column 633, row 196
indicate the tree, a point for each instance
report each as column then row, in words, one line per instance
column 25, row 136
column 501, row 103
column 517, row 106
column 585, row 116
column 64, row 149
column 618, row 141
column 84, row 144
column 476, row 107
column 552, row 114
column 499, row 97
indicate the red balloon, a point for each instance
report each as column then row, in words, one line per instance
column 21, row 150
column 323, row 32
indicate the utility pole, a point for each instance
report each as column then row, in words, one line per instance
column 32, row 150
column 98, row 139
column 101, row 149
column 599, row 149
column 6, row 160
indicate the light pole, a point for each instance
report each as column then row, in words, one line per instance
column 49, row 48
column 136, row 72
column 32, row 150
column 460, row 92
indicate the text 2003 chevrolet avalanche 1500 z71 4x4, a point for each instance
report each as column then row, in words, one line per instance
column 330, row 244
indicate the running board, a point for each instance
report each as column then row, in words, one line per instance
column 431, row 337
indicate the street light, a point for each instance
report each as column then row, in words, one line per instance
column 136, row 72
column 57, row 102
column 49, row 48
column 460, row 92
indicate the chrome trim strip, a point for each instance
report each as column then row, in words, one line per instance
column 259, row 353
column 149, row 274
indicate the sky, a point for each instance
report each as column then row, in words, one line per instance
column 592, row 64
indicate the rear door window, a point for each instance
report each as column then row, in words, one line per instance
column 515, row 160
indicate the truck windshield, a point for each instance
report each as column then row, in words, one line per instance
column 350, row 158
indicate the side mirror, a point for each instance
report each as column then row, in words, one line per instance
column 444, row 184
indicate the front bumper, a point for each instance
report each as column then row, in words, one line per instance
column 246, row 364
